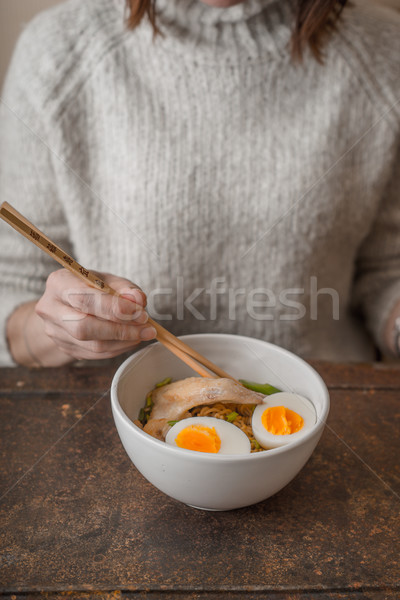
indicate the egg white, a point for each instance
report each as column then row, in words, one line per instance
column 299, row 404
column 233, row 439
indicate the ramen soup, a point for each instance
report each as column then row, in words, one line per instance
column 222, row 416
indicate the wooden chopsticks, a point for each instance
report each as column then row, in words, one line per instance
column 192, row 358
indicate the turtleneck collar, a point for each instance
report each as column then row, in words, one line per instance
column 210, row 15
column 251, row 30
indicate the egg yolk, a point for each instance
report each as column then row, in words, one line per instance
column 200, row 438
column 279, row 420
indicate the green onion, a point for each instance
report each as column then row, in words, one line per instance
column 142, row 416
column 232, row 416
column 149, row 401
column 171, row 423
column 263, row 388
column 164, row 382
column 256, row 444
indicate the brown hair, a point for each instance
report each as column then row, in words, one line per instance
column 313, row 19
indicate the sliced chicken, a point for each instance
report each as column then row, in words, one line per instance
column 172, row 401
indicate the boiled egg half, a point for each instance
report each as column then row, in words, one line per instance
column 282, row 418
column 208, row 434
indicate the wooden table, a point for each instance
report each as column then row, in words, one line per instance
column 78, row 521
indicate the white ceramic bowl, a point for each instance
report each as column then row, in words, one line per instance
column 209, row 481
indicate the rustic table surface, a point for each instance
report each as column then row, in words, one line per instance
column 78, row 521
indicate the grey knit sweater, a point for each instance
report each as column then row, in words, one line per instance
column 242, row 192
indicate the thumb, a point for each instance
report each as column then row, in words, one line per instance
column 126, row 288
column 135, row 294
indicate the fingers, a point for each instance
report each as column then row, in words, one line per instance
column 88, row 323
column 90, row 349
column 85, row 328
column 73, row 292
column 111, row 308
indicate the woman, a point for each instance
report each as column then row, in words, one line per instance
column 236, row 160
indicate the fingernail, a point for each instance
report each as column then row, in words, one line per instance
column 148, row 333
column 142, row 317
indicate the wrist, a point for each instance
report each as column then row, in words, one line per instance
column 17, row 335
column 29, row 345
column 26, row 334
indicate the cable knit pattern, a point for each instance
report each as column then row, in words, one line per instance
column 242, row 192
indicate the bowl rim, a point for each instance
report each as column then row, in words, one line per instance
column 205, row 456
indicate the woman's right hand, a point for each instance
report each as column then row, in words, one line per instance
column 85, row 323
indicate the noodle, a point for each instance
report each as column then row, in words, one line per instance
column 242, row 421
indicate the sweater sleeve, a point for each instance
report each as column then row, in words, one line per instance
column 377, row 277
column 27, row 182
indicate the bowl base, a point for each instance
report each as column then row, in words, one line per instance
column 209, row 509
